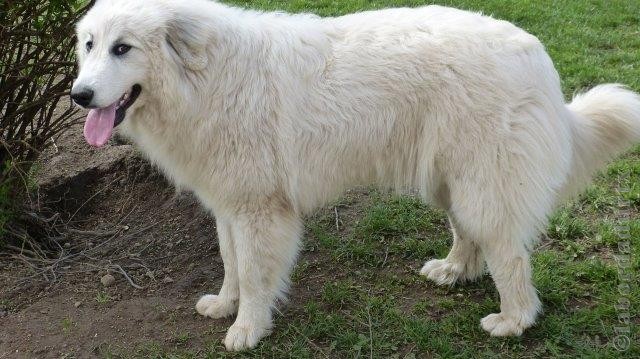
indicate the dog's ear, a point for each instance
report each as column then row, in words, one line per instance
column 188, row 39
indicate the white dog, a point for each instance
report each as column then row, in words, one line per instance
column 266, row 116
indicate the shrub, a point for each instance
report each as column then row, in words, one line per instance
column 36, row 72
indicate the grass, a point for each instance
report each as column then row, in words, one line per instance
column 67, row 325
column 103, row 298
column 363, row 296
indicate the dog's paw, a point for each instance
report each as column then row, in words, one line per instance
column 214, row 306
column 241, row 337
column 442, row 271
column 502, row 325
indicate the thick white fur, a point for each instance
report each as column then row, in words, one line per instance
column 266, row 116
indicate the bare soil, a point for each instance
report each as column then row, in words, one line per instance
column 125, row 216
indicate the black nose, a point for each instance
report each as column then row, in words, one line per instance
column 82, row 97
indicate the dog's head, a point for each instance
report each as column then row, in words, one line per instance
column 118, row 43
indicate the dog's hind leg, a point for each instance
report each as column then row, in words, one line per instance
column 504, row 222
column 266, row 245
column 226, row 302
column 503, row 238
column 509, row 264
column 464, row 262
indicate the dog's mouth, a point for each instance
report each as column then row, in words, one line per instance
column 101, row 121
column 125, row 102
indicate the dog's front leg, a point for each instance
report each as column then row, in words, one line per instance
column 266, row 244
column 226, row 302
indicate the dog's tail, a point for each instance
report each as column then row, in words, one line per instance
column 605, row 122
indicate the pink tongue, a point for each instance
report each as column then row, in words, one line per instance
column 99, row 125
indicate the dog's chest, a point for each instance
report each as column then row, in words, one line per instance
column 214, row 164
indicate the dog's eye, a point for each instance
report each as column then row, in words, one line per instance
column 89, row 45
column 121, row 49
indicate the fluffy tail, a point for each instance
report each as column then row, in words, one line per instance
column 605, row 122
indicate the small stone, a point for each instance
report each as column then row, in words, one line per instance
column 150, row 275
column 67, row 245
column 167, row 280
column 107, row 280
column 77, row 304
